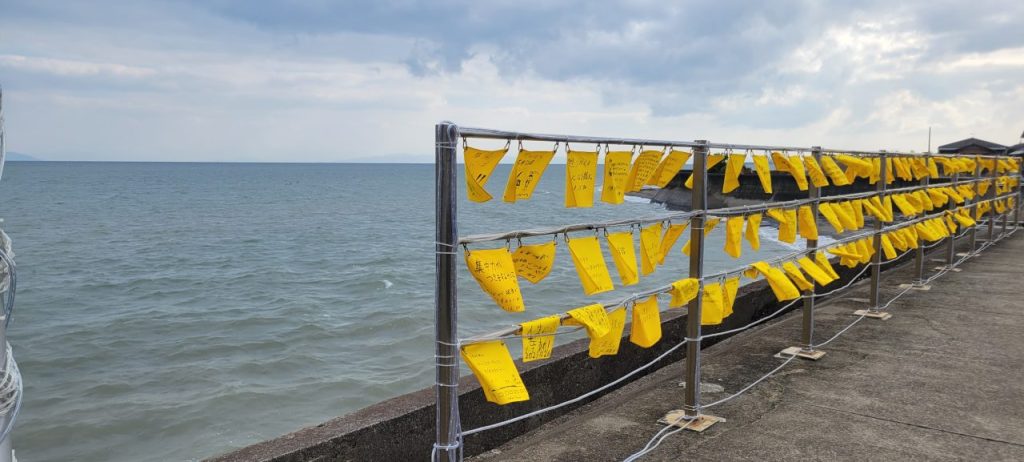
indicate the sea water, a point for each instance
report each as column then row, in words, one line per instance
column 175, row 311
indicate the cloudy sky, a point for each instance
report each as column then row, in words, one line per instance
column 318, row 80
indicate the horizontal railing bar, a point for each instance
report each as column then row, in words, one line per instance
column 570, row 228
column 486, row 133
column 470, row 132
column 756, row 147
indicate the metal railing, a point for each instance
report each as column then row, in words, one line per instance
column 448, row 445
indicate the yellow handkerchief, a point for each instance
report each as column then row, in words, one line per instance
column 808, row 225
column 616, row 173
column 733, row 234
column 526, row 173
column 683, row 291
column 763, row 173
column 538, row 337
column 479, row 165
column 492, row 365
column 580, row 174
column 650, row 251
column 494, row 270
column 752, row 233
column 534, row 262
column 669, row 239
column 590, row 266
column 669, row 167
column 646, row 328
column 621, row 246
column 643, row 169
column 608, row 344
column 593, row 317
column 733, row 168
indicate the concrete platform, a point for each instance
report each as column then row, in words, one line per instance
column 942, row 380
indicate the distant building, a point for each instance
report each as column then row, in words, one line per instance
column 1017, row 149
column 972, row 146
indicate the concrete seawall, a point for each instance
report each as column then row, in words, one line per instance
column 402, row 428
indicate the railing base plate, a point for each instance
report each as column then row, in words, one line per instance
column 916, row 286
column 799, row 352
column 699, row 424
column 880, row 315
column 941, row 268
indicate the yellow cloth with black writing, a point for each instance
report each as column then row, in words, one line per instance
column 526, row 173
column 733, row 234
column 808, row 225
column 729, row 290
column 643, row 169
column 580, row 175
column 764, row 173
column 479, row 166
column 814, row 172
column 781, row 286
column 538, row 337
column 534, row 262
column 669, row 167
column 492, row 365
column 712, row 160
column 753, row 231
column 592, row 317
column 495, row 271
column 620, row 245
column 709, row 225
column 616, row 172
column 711, row 311
column 646, row 326
column 733, row 168
column 669, row 239
column 650, row 249
column 608, row 344
column 590, row 266
column 683, row 291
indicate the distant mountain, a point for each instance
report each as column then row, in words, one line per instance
column 19, row 157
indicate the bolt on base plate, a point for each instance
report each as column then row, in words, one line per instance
column 699, row 424
column 880, row 315
column 799, row 352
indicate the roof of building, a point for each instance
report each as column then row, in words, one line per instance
column 958, row 145
column 1016, row 150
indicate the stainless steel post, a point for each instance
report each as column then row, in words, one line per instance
column 1017, row 204
column 991, row 205
column 446, row 390
column 919, row 255
column 1006, row 212
column 698, row 202
column 876, row 259
column 974, row 208
column 951, row 244
column 807, row 330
